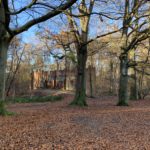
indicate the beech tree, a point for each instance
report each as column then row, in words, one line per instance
column 132, row 35
column 80, row 39
column 37, row 11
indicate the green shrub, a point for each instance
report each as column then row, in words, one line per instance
column 3, row 110
column 38, row 99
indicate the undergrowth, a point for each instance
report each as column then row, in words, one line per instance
column 3, row 110
column 37, row 99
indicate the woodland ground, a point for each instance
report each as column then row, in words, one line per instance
column 57, row 126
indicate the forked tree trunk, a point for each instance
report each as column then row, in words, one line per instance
column 80, row 94
column 3, row 61
column 123, row 84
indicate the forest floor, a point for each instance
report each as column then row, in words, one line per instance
column 57, row 126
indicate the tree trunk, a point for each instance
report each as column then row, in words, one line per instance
column 123, row 84
column 80, row 95
column 134, row 87
column 90, row 80
column 3, row 61
column 111, row 78
column 65, row 76
column 141, row 84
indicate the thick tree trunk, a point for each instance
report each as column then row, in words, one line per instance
column 123, row 84
column 3, row 61
column 81, row 48
column 80, row 95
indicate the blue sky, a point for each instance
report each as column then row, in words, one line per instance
column 56, row 25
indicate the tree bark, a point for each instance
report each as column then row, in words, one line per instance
column 80, row 94
column 134, row 87
column 111, row 90
column 3, row 62
column 65, row 75
column 123, row 84
column 91, row 78
column 4, row 43
column 90, row 81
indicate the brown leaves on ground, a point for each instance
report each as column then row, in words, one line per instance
column 57, row 126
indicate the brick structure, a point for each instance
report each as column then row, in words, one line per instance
column 62, row 79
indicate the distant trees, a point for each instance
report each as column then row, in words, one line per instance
column 22, row 59
column 13, row 10
column 15, row 53
column 60, row 47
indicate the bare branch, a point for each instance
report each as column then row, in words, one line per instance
column 43, row 18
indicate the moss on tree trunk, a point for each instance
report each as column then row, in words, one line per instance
column 80, row 98
column 80, row 95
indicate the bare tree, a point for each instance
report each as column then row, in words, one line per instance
column 15, row 62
